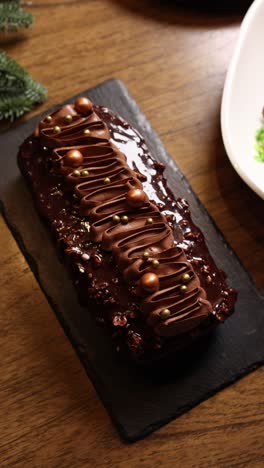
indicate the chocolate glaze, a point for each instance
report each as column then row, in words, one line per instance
column 104, row 259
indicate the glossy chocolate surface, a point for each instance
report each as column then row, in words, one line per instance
column 94, row 270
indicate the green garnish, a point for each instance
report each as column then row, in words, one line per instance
column 13, row 16
column 259, row 145
column 18, row 91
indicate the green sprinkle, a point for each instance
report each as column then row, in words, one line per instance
column 259, row 145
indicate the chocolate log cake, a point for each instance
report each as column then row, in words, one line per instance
column 139, row 263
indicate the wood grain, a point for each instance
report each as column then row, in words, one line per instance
column 174, row 62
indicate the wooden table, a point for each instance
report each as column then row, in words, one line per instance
column 174, row 64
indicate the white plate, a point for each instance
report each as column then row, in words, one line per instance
column 243, row 99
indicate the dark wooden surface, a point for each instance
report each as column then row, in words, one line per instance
column 174, row 63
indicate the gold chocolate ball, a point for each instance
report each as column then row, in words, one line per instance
column 107, row 180
column 155, row 263
column 136, row 198
column 85, row 173
column 185, row 278
column 56, row 129
column 183, row 288
column 73, row 158
column 48, row 118
column 86, row 131
column 76, row 173
column 149, row 282
column 146, row 255
column 124, row 219
column 83, row 105
column 164, row 314
column 68, row 118
column 116, row 219
column 149, row 221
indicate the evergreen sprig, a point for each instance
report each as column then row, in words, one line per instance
column 18, row 91
column 13, row 16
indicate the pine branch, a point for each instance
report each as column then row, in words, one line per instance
column 13, row 17
column 18, row 91
column 12, row 76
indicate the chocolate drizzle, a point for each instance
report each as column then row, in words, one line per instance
column 102, row 183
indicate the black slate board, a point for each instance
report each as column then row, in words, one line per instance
column 139, row 402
